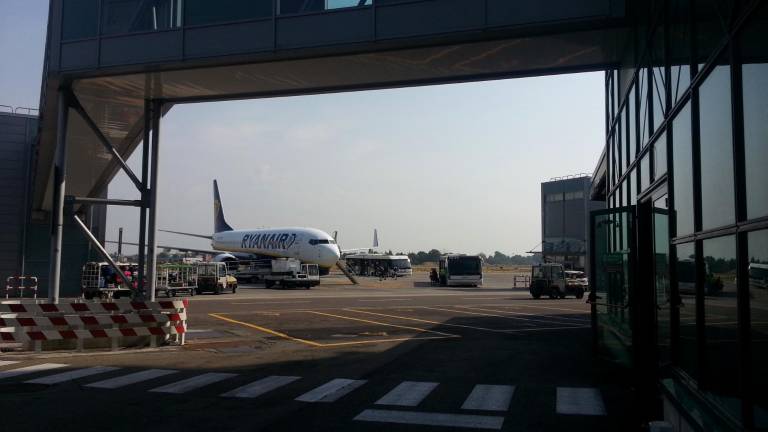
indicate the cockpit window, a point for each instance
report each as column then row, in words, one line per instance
column 314, row 242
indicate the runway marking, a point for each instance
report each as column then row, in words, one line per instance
column 266, row 330
column 580, row 401
column 72, row 375
column 408, row 394
column 528, row 320
column 7, row 362
column 489, row 398
column 552, row 308
column 426, row 321
column 431, row 419
column 195, row 382
column 261, row 386
column 133, row 378
column 30, row 369
column 331, row 391
column 383, row 300
column 524, row 313
column 470, row 327
column 481, row 298
column 383, row 324
column 271, row 303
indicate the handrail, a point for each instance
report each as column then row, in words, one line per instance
column 19, row 110
column 10, row 108
column 28, row 110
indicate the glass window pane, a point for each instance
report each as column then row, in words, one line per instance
column 643, row 113
column 127, row 16
column 620, row 139
column 660, row 156
column 81, row 19
column 632, row 130
column 758, row 294
column 300, row 6
column 632, row 185
column 645, row 172
column 685, row 267
column 755, row 77
column 680, row 47
column 721, row 378
column 205, row 11
column 682, row 165
column 717, row 194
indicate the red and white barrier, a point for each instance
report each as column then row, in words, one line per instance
column 35, row 323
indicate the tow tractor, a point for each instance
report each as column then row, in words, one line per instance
column 549, row 279
column 290, row 273
column 100, row 280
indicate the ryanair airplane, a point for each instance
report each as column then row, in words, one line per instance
column 308, row 245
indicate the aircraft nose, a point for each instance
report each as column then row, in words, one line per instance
column 330, row 255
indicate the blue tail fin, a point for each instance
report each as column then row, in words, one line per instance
column 219, row 223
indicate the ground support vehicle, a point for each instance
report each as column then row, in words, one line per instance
column 380, row 265
column 174, row 279
column 251, row 271
column 99, row 280
column 549, row 279
column 215, row 277
column 461, row 270
column 575, row 279
column 291, row 273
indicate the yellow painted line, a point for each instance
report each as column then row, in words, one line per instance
column 529, row 320
column 427, row 321
column 266, row 330
column 583, row 320
column 383, row 324
column 376, row 341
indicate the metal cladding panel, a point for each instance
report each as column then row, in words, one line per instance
column 141, row 48
column 228, row 39
column 343, row 26
column 16, row 139
column 506, row 12
column 553, row 219
column 79, row 55
column 429, row 17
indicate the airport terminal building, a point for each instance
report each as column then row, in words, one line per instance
column 680, row 253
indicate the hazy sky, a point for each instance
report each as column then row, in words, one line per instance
column 453, row 167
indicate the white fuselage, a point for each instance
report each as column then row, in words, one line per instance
column 308, row 245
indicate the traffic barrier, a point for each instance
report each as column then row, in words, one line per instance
column 79, row 324
column 20, row 284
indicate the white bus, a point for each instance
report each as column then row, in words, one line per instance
column 378, row 265
column 461, row 270
column 758, row 275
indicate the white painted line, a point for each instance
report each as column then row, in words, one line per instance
column 72, row 375
column 7, row 362
column 261, row 386
column 383, row 300
column 580, row 401
column 432, row 419
column 408, row 393
column 331, row 391
column 489, row 398
column 193, row 383
column 30, row 369
column 133, row 378
column 269, row 303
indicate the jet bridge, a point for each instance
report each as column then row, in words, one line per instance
column 114, row 68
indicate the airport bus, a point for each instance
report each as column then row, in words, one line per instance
column 458, row 270
column 758, row 275
column 377, row 264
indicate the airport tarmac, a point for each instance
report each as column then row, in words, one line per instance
column 394, row 355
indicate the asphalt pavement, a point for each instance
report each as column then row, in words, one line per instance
column 394, row 355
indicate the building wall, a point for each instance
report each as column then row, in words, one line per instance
column 565, row 207
column 17, row 134
column 687, row 114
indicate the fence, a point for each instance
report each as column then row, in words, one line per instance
column 80, row 325
column 19, row 284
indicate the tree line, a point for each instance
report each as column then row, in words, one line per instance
column 497, row 258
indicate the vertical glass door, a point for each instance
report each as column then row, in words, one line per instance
column 662, row 297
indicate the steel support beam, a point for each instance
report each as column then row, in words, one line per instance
column 152, row 224
column 144, row 197
column 107, row 201
column 105, row 142
column 102, row 251
column 59, row 189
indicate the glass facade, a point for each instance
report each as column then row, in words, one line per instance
column 699, row 97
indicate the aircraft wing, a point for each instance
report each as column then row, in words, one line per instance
column 177, row 248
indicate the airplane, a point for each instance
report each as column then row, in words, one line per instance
column 308, row 245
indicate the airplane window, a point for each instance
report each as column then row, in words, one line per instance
column 313, row 242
